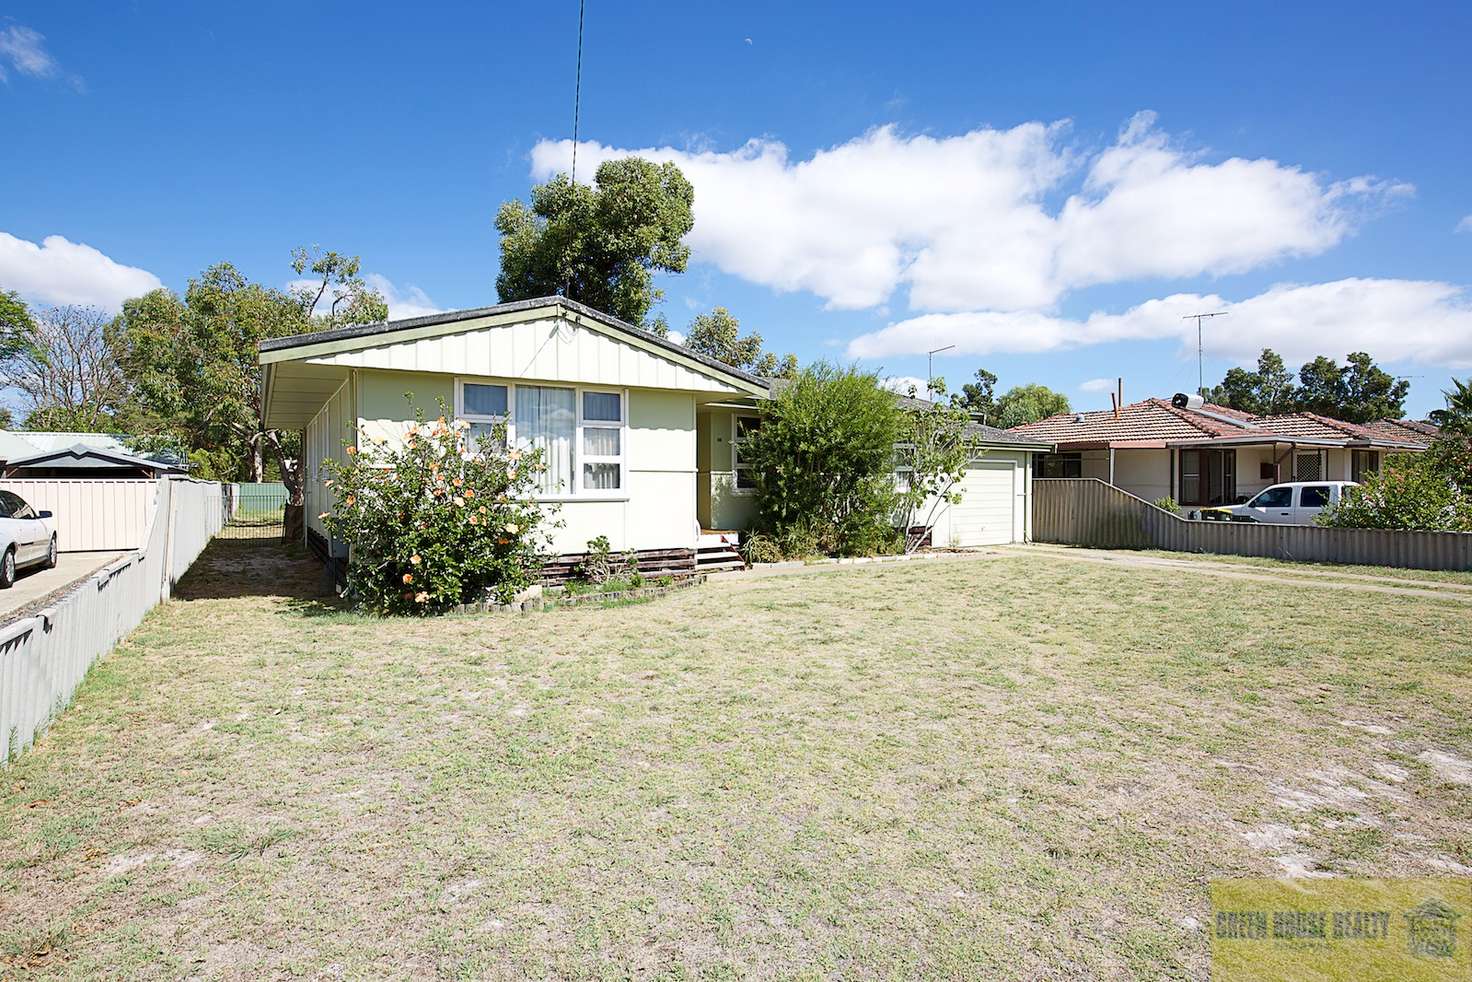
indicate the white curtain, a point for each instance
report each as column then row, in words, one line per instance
column 546, row 419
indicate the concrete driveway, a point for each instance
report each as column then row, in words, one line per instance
column 35, row 586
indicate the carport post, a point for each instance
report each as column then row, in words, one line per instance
column 1111, row 465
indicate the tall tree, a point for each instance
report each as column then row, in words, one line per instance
column 17, row 329
column 191, row 366
column 718, row 335
column 335, row 280
column 1358, row 392
column 979, row 397
column 1028, row 404
column 1268, row 391
column 599, row 245
column 65, row 372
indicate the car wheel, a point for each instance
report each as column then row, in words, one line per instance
column 7, row 569
column 51, row 554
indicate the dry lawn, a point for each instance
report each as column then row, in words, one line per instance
column 1012, row 767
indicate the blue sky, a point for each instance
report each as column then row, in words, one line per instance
column 1047, row 187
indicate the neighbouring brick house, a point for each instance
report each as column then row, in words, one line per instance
column 1214, row 455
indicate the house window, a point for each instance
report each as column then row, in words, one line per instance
column 1307, row 467
column 603, row 430
column 1060, row 465
column 1364, row 463
column 580, row 432
column 742, row 428
column 483, row 407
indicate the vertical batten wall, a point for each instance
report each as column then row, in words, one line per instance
column 655, row 511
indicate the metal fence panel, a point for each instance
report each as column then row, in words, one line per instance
column 1090, row 512
column 253, row 511
column 44, row 658
column 92, row 515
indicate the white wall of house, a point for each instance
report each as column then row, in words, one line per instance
column 655, row 507
column 331, row 431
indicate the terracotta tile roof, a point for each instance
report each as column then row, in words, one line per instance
column 1156, row 421
column 1153, row 419
column 1404, row 431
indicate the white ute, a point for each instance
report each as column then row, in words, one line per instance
column 1294, row 503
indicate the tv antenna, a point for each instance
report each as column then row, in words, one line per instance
column 930, row 368
column 1200, row 356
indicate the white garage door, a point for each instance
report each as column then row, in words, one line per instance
column 985, row 517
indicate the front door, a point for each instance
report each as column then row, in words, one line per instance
column 1208, row 477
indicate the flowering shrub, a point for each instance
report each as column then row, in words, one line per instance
column 434, row 522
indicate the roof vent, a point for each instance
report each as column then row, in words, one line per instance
column 1078, row 417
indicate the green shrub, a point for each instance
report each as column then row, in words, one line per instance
column 759, row 547
column 431, row 523
column 597, row 565
column 823, row 463
column 1168, row 504
column 1410, row 491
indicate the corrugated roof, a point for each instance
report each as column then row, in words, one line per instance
column 25, row 443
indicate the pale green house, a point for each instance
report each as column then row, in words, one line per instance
column 642, row 437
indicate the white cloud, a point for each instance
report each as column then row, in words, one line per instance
column 1396, row 320
column 23, row 50
column 1098, row 385
column 1465, row 225
column 963, row 222
column 410, row 301
column 676, row 337
column 59, row 271
column 903, row 384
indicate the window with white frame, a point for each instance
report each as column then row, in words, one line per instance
column 603, row 448
column 741, row 429
column 483, row 406
column 579, row 432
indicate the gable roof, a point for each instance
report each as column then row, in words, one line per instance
column 1157, row 423
column 358, row 336
column 83, row 457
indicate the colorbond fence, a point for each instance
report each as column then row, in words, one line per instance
column 92, row 515
column 1089, row 512
column 44, row 657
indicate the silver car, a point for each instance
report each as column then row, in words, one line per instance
column 27, row 536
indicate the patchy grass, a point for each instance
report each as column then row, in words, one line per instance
column 1023, row 767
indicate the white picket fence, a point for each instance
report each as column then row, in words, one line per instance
column 91, row 515
column 43, row 658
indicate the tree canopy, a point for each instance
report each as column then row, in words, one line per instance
column 190, row 362
column 65, row 372
column 718, row 335
column 978, row 397
column 352, row 300
column 1028, row 404
column 599, row 245
column 1268, row 391
column 1358, row 391
column 17, row 329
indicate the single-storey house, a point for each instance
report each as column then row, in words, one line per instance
column 1213, row 455
column 641, row 435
